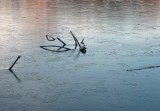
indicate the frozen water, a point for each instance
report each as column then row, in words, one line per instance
column 119, row 35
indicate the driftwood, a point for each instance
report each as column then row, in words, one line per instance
column 150, row 67
column 82, row 48
column 14, row 63
column 63, row 48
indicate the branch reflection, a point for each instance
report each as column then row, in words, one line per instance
column 16, row 77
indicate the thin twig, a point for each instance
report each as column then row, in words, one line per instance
column 61, row 41
column 14, row 63
column 150, row 67
column 82, row 48
column 76, row 41
column 50, row 38
column 82, row 42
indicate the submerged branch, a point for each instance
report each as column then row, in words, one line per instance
column 150, row 67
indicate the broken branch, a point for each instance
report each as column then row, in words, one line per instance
column 82, row 42
column 150, row 67
column 76, row 41
column 50, row 38
column 61, row 41
column 14, row 63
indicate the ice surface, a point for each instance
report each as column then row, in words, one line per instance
column 119, row 35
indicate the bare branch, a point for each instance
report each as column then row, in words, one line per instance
column 50, row 38
column 61, row 41
column 14, row 63
column 76, row 41
column 150, row 67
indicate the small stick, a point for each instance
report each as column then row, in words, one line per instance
column 82, row 42
column 61, row 41
column 76, row 41
column 51, row 38
column 150, row 67
column 14, row 63
column 82, row 48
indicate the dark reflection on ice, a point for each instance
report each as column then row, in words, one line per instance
column 7, row 72
column 17, row 78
